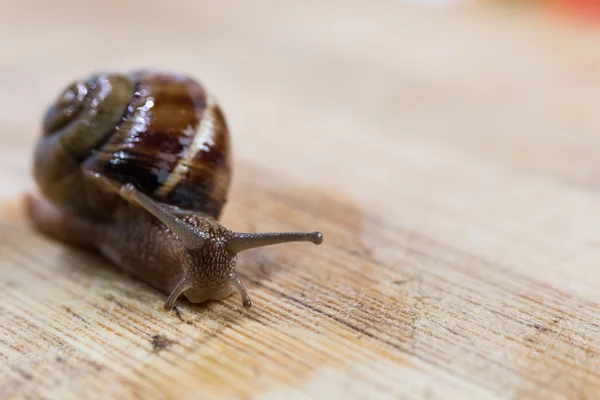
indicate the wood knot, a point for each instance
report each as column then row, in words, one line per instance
column 160, row 343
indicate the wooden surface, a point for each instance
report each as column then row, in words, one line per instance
column 449, row 156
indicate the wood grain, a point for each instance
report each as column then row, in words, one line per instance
column 450, row 158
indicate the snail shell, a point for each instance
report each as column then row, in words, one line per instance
column 137, row 166
column 163, row 133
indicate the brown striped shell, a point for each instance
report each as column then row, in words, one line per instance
column 162, row 132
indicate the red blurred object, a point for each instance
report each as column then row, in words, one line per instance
column 587, row 10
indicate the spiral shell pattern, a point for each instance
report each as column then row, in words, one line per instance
column 163, row 132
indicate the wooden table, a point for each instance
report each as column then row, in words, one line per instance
column 449, row 156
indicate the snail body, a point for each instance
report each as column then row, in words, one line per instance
column 137, row 166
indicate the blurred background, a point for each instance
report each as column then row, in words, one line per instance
column 484, row 73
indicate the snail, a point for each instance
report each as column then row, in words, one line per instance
column 137, row 166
